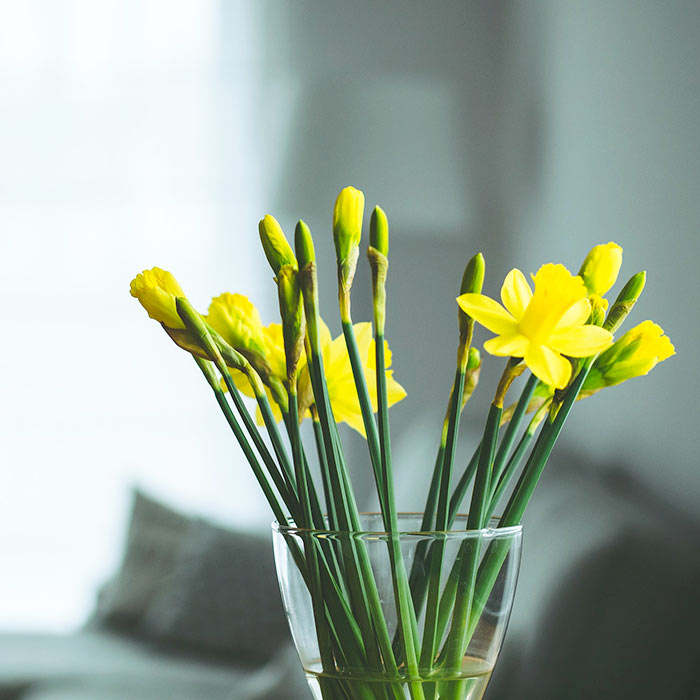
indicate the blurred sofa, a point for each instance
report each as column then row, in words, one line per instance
column 607, row 608
column 608, row 601
column 193, row 613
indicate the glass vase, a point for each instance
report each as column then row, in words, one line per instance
column 411, row 614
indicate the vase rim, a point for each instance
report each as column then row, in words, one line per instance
column 491, row 531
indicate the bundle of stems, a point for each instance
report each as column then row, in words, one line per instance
column 557, row 333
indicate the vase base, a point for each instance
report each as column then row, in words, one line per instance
column 470, row 684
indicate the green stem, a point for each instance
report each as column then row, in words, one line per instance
column 511, row 431
column 373, row 438
column 325, row 475
column 462, row 486
column 511, row 468
column 543, row 448
column 245, row 446
column 497, row 552
column 276, row 438
column 404, row 603
column 361, row 583
column 323, row 632
column 254, row 434
column 437, row 550
column 469, row 552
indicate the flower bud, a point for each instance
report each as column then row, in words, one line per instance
column 379, row 231
column 472, row 282
column 599, row 305
column 633, row 355
column 291, row 311
column 601, row 267
column 474, row 359
column 157, row 290
column 473, row 278
column 626, row 299
column 277, row 249
column 347, row 222
column 303, row 244
column 195, row 324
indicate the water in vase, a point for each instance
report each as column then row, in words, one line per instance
column 469, row 684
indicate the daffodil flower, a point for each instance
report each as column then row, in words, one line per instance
column 235, row 318
column 634, row 354
column 339, row 379
column 543, row 327
column 156, row 290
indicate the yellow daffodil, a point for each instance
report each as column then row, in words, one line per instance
column 634, row 354
column 235, row 318
column 339, row 378
column 542, row 327
column 157, row 290
column 601, row 267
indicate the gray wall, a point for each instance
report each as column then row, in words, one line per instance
column 551, row 126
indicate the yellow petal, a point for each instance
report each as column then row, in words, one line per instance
column 363, row 337
column 488, row 313
column 548, row 366
column 516, row 293
column 582, row 341
column 576, row 315
column 514, row 345
column 601, row 267
column 346, row 408
column 324, row 337
column 237, row 320
column 156, row 290
column 274, row 350
column 556, row 291
column 394, row 391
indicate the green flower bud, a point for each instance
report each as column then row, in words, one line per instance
column 379, row 231
column 599, row 305
column 625, row 301
column 291, row 311
column 474, row 359
column 277, row 249
column 473, row 278
column 195, row 324
column 472, row 282
column 303, row 244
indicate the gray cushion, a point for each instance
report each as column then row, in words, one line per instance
column 153, row 541
column 221, row 597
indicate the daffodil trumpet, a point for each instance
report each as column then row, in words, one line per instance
column 556, row 328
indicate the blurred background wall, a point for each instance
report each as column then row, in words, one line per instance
column 135, row 134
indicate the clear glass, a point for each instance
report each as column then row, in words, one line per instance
column 351, row 606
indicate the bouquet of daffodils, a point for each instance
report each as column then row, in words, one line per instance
column 562, row 333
